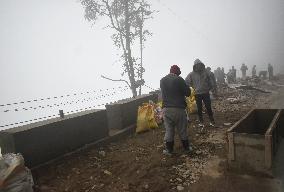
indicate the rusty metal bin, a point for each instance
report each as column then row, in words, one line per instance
column 253, row 141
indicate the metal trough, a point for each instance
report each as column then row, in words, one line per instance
column 253, row 141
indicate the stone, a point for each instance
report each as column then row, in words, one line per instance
column 102, row 153
column 107, row 172
column 146, row 186
column 180, row 188
column 179, row 180
column 198, row 152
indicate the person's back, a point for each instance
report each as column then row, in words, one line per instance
column 174, row 91
column 254, row 71
column 270, row 71
column 234, row 74
column 244, row 69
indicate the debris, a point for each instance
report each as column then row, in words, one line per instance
column 233, row 100
column 180, row 188
column 179, row 180
column 102, row 153
column 198, row 152
column 146, row 186
column 14, row 176
column 227, row 124
column 107, row 172
column 249, row 87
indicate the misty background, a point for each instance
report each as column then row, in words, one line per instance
column 47, row 48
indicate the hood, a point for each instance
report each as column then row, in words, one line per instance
column 198, row 66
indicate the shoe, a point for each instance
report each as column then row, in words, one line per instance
column 189, row 150
column 212, row 124
column 201, row 125
column 169, row 149
column 167, row 152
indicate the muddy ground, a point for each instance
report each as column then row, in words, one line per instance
column 136, row 164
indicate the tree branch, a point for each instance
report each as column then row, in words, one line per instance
column 121, row 80
column 111, row 18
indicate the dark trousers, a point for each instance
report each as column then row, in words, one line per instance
column 205, row 98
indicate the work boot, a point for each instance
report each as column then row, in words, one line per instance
column 187, row 148
column 169, row 149
column 212, row 124
column 212, row 121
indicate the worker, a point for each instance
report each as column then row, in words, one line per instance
column 200, row 80
column 234, row 75
column 220, row 76
column 230, row 76
column 270, row 71
column 244, row 69
column 213, row 79
column 253, row 72
column 223, row 75
column 174, row 90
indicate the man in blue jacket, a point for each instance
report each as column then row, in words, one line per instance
column 174, row 90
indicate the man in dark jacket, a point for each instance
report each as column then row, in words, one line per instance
column 174, row 90
column 213, row 80
column 270, row 71
column 200, row 80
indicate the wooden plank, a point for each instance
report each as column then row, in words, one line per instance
column 239, row 122
column 231, row 147
column 268, row 151
column 273, row 124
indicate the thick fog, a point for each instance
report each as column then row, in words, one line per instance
column 47, row 47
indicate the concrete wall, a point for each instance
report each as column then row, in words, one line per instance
column 123, row 113
column 249, row 153
column 46, row 140
column 253, row 141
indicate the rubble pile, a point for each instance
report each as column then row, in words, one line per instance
column 14, row 176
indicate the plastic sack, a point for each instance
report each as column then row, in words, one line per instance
column 158, row 112
column 191, row 102
column 146, row 118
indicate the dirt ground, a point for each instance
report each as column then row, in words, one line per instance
column 136, row 164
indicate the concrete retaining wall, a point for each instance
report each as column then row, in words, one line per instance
column 46, row 140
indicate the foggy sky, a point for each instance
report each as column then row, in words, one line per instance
column 47, row 47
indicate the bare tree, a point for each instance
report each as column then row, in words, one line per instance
column 126, row 18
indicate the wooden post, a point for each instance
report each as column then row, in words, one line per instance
column 231, row 146
column 268, row 151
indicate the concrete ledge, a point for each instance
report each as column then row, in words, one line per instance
column 46, row 140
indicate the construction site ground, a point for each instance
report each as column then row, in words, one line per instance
column 136, row 163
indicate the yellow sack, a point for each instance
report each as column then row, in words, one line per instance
column 191, row 102
column 146, row 118
column 160, row 104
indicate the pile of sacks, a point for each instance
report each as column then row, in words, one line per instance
column 149, row 116
column 14, row 176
